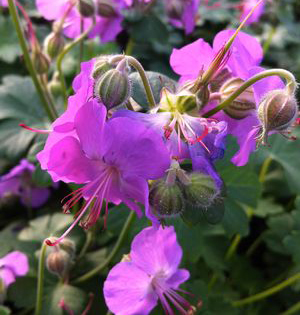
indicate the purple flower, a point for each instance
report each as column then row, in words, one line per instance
column 245, row 56
column 247, row 6
column 107, row 28
column 114, row 160
column 3, row 3
column 182, row 13
column 134, row 287
column 13, row 265
column 18, row 182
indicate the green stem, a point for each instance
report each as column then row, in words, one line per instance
column 232, row 248
column 113, row 253
column 268, row 41
column 254, row 245
column 292, row 310
column 264, row 169
column 129, row 47
column 139, row 68
column 268, row 292
column 288, row 76
column 85, row 247
column 60, row 58
column 15, row 18
column 40, row 284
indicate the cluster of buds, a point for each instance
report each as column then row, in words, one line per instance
column 60, row 259
column 104, row 8
column 171, row 196
column 112, row 86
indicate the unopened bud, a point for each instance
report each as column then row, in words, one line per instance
column 86, row 7
column 277, row 111
column 166, row 200
column 243, row 105
column 202, row 96
column 41, row 61
column 68, row 246
column 101, row 66
column 58, row 262
column 54, row 44
column 113, row 88
column 106, row 8
column 201, row 191
column 54, row 85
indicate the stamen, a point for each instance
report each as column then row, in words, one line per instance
column 35, row 130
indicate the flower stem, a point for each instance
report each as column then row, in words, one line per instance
column 139, row 68
column 268, row 292
column 51, row 112
column 60, row 58
column 292, row 310
column 288, row 76
column 40, row 284
column 113, row 253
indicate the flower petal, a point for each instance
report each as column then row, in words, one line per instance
column 180, row 276
column 17, row 262
column 127, row 290
column 156, row 250
column 52, row 10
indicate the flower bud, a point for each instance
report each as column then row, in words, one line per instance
column 41, row 61
column 201, row 191
column 113, row 88
column 54, row 85
column 68, row 246
column 277, row 111
column 101, row 66
column 243, row 105
column 202, row 96
column 58, row 262
column 54, row 44
column 166, row 200
column 106, row 8
column 175, row 8
column 86, row 8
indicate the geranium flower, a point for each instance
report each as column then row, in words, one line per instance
column 245, row 56
column 247, row 6
column 13, row 265
column 106, row 27
column 114, row 160
column 152, row 273
column 182, row 13
column 18, row 182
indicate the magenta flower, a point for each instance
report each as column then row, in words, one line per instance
column 182, row 13
column 18, row 182
column 134, row 287
column 247, row 6
column 13, row 265
column 3, row 3
column 245, row 56
column 114, row 160
column 107, row 28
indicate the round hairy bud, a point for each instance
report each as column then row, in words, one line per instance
column 202, row 96
column 58, row 262
column 113, row 88
column 86, row 7
column 40, row 61
column 243, row 105
column 166, row 200
column 201, row 191
column 277, row 111
column 54, row 44
column 106, row 8
column 54, row 85
column 101, row 66
column 68, row 246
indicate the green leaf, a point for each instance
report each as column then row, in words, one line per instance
column 235, row 219
column 41, row 178
column 4, row 310
column 19, row 103
column 23, row 292
column 286, row 153
column 9, row 45
column 291, row 242
column 267, row 207
column 157, row 82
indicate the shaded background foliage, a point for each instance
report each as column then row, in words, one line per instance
column 255, row 246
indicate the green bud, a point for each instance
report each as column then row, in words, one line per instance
column 101, row 66
column 201, row 190
column 58, row 262
column 41, row 61
column 166, row 200
column 277, row 112
column 68, row 246
column 113, row 88
column 54, row 85
column 106, row 8
column 86, row 7
column 54, row 44
column 202, row 96
column 243, row 105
